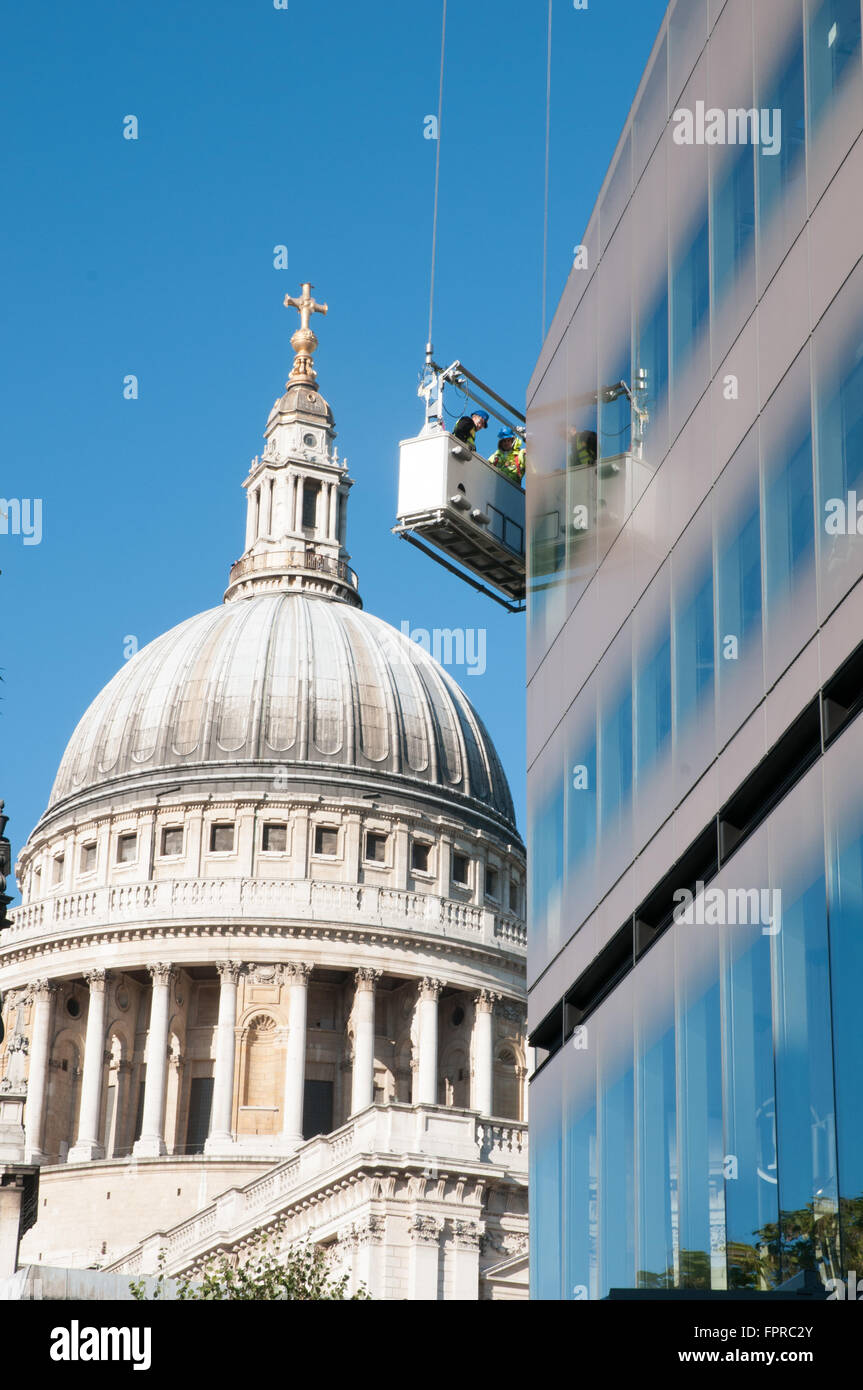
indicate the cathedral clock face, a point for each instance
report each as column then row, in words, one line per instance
column 309, row 440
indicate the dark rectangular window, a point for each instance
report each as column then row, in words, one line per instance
column 88, row 858
column 376, row 847
column 200, row 1105
column 59, row 864
column 326, row 840
column 275, row 838
column 491, row 880
column 317, row 1108
column 420, row 854
column 311, row 491
column 172, row 839
column 460, row 869
column 127, row 849
column 139, row 1112
column 221, row 837
column 513, row 895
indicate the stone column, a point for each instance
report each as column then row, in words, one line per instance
column 37, row 1079
column 333, row 502
column 424, row 1256
column 87, row 1145
column 342, row 516
column 369, row 1236
column 429, row 993
column 483, row 1052
column 221, row 1136
column 152, row 1141
column 295, row 1062
column 363, row 1019
column 465, row 1284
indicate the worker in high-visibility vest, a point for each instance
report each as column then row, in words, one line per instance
column 582, row 448
column 509, row 455
column 466, row 428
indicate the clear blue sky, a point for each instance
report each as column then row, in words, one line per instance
column 260, row 127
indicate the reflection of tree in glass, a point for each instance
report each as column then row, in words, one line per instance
column 807, row 1239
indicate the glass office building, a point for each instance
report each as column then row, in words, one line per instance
column 695, row 671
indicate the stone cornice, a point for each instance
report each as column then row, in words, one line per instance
column 403, row 945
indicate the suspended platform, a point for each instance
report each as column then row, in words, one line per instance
column 453, row 500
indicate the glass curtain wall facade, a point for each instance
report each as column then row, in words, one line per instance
column 694, row 599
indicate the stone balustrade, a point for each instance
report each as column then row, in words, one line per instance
column 236, row 900
column 404, row 1133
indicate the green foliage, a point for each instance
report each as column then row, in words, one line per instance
column 300, row 1275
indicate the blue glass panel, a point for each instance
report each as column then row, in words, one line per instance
column 615, row 416
column 546, row 862
column 616, row 760
column 845, row 848
column 805, row 1106
column 581, row 803
column 546, row 1167
column 690, row 296
column 778, row 171
column 653, row 700
column 580, row 1196
column 751, row 1200
column 656, row 1119
column 840, row 426
column 653, row 352
column 699, row 1087
column 789, row 518
column 739, row 578
column 834, row 46
column 733, row 219
column 694, row 649
column 612, row 1035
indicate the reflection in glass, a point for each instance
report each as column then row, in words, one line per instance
column 845, row 867
column 656, row 1120
column 733, row 219
column 545, row 1185
column 699, row 1098
column 834, row 44
column 545, row 841
column 653, row 699
column 616, row 761
column 693, row 646
column 807, row 1237
column 751, row 1200
column 789, row 516
column 739, row 580
column 653, row 353
column 612, row 1038
column 840, row 421
column 581, row 801
column 778, row 171
column 581, row 1274
column 690, row 295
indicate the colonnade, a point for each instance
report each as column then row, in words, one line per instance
column 221, row 1140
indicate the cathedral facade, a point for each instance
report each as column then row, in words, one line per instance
column 269, row 967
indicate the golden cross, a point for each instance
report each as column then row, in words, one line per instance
column 306, row 305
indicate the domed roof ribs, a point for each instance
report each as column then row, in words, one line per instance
column 304, row 680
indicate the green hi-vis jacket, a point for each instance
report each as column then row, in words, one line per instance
column 510, row 461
